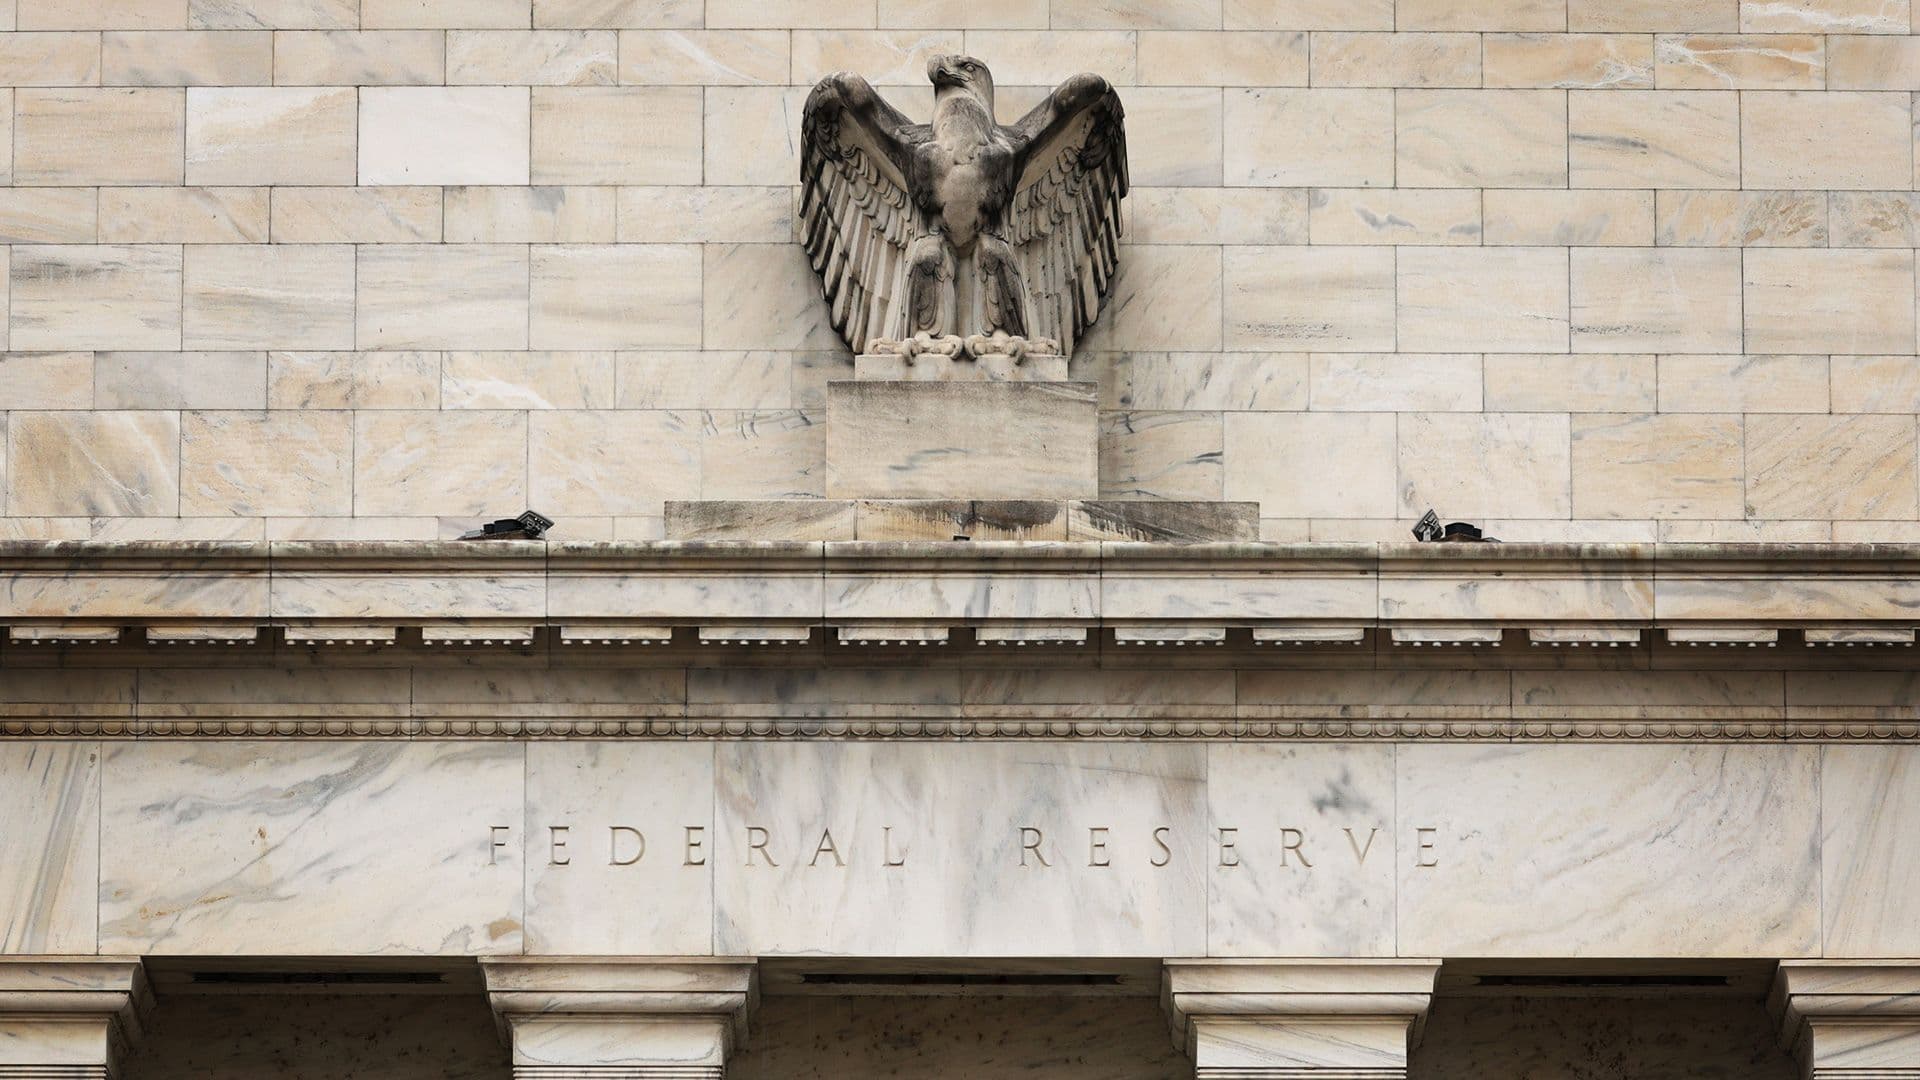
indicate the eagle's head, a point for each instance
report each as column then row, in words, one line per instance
column 962, row 73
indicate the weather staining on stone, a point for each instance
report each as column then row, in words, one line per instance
column 963, row 236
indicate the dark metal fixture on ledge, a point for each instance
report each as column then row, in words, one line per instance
column 1428, row 530
column 528, row 526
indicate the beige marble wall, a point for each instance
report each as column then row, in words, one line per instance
column 1579, row 268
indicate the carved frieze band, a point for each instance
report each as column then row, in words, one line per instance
column 866, row 730
column 618, row 1072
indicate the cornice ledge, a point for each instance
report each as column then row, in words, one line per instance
column 1165, row 588
column 45, row 553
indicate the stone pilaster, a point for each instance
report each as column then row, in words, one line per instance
column 69, row 1018
column 1298, row 1019
column 1851, row 1019
column 605, row 1019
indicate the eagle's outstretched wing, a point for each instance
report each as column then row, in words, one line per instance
column 1065, row 221
column 855, row 217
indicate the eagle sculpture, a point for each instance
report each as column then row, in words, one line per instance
column 963, row 236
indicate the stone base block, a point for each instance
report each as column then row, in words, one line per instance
column 765, row 519
column 933, row 367
column 967, row 440
column 945, row 519
column 1155, row 521
column 901, row 519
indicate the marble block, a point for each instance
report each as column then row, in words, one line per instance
column 49, row 846
column 1310, row 871
column 673, row 1020
column 989, row 586
column 383, row 593
column 1870, row 851
column 898, row 850
column 612, row 869
column 211, row 580
column 644, row 1049
column 1303, row 1018
column 1597, row 582
column 945, row 519
column 328, row 848
column 967, row 440
column 671, row 580
column 1163, row 521
column 1331, row 583
column 760, row 519
column 69, row 1017
column 1851, row 1020
column 1609, row 851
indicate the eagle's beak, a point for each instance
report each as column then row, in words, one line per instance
column 942, row 73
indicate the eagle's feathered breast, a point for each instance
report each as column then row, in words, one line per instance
column 969, row 182
column 1019, row 224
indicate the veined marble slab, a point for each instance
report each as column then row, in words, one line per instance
column 1760, row 597
column 676, row 579
column 1310, row 870
column 1224, row 580
column 933, row 440
column 620, row 839
column 391, row 595
column 99, row 581
column 357, row 848
column 49, row 846
column 933, row 839
column 1609, row 851
column 1520, row 596
column 961, row 596
column 1870, row 804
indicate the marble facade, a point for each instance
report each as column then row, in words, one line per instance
column 948, row 809
column 1081, row 717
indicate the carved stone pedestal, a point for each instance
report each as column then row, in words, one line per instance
column 948, row 427
column 1139, row 520
column 607, row 1019
column 69, row 1018
column 1851, row 1020
column 1298, row 1019
column 941, row 447
column 966, row 440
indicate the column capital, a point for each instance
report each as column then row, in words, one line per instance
column 1850, row 1019
column 1298, row 1019
column 70, row 1017
column 603, row 1018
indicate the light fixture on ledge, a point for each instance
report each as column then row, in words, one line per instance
column 1428, row 530
column 528, row 526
